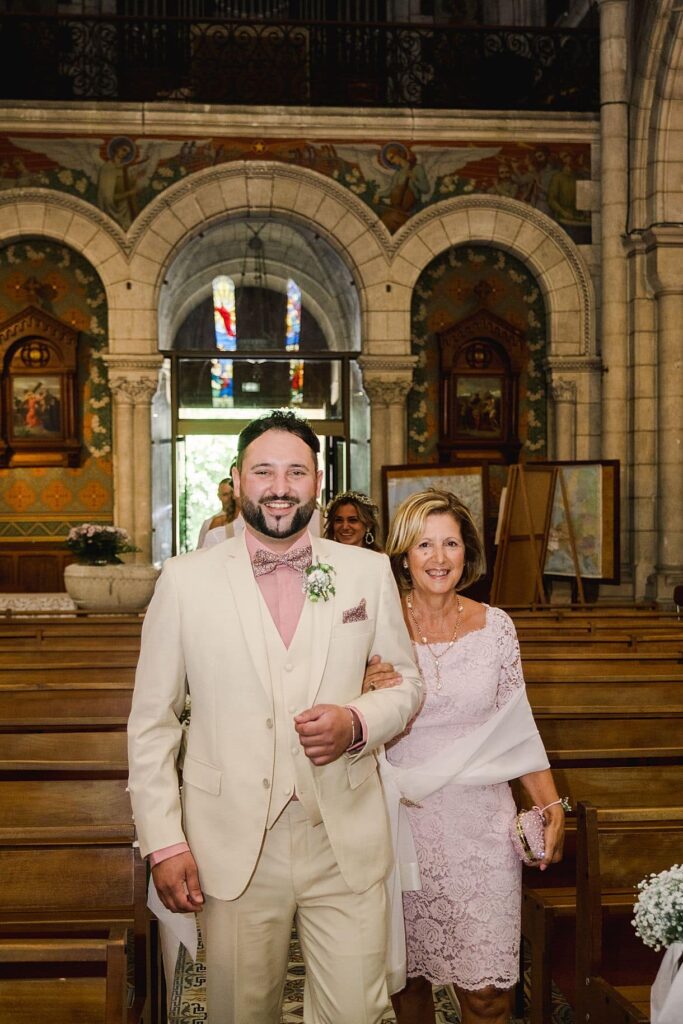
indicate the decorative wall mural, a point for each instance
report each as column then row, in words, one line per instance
column 454, row 286
column 396, row 179
column 44, row 502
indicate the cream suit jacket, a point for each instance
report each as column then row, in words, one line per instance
column 203, row 631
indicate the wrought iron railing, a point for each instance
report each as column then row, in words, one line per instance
column 310, row 63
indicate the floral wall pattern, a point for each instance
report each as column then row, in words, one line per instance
column 456, row 284
column 395, row 178
column 44, row 502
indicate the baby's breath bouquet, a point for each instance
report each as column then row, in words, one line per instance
column 658, row 910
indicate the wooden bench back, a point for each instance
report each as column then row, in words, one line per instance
column 616, row 848
column 50, row 754
column 31, row 707
column 65, row 980
column 58, row 810
column 641, row 734
column 634, row 786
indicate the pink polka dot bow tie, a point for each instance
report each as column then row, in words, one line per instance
column 265, row 561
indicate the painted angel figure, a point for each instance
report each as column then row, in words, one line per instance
column 129, row 167
column 407, row 176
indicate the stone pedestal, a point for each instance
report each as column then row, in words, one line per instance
column 104, row 588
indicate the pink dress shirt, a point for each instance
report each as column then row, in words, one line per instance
column 284, row 596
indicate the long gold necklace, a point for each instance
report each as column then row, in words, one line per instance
column 436, row 658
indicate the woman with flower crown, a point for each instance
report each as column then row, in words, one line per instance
column 352, row 518
column 450, row 771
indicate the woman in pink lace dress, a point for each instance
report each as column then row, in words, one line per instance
column 463, row 926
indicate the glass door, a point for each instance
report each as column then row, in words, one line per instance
column 210, row 405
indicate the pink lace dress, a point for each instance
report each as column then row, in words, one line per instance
column 463, row 926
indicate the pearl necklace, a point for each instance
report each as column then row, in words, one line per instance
column 436, row 658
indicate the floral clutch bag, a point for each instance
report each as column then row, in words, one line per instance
column 526, row 832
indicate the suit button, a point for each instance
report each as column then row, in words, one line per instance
column 266, row 783
column 288, row 667
column 269, row 723
column 295, row 750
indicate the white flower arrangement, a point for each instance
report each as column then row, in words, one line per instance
column 658, row 910
column 317, row 582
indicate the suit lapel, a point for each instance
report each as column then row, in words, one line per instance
column 245, row 592
column 318, row 618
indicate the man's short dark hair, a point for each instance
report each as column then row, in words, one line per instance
column 279, row 419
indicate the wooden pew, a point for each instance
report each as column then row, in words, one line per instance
column 54, row 890
column 91, row 703
column 64, row 811
column 586, row 736
column 51, row 659
column 64, row 980
column 616, row 848
column 53, row 754
column 549, row 898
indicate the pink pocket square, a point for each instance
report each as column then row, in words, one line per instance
column 357, row 614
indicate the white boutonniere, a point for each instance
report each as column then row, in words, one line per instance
column 318, row 581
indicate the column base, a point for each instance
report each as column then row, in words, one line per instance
column 663, row 582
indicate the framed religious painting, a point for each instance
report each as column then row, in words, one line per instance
column 38, row 417
column 467, row 482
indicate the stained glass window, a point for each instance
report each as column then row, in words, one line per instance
column 225, row 330
column 292, row 334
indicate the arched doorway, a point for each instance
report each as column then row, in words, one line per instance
column 255, row 314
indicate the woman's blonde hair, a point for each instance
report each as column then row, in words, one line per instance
column 408, row 526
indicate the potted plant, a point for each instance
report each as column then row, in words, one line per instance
column 99, row 580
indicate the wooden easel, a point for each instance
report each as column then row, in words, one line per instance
column 571, row 535
column 524, row 532
column 518, row 571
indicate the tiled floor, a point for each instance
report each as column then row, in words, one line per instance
column 188, row 1002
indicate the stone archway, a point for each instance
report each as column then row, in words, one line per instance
column 560, row 272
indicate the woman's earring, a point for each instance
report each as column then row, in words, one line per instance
column 369, row 538
column 405, row 562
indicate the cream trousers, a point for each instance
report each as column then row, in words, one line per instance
column 342, row 935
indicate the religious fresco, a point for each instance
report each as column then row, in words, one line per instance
column 44, row 502
column 396, row 179
column 455, row 285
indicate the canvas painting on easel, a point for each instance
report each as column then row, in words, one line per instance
column 584, row 494
column 591, row 528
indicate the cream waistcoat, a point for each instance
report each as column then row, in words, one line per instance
column 289, row 676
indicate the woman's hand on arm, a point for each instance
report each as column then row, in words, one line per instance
column 379, row 674
column 541, row 789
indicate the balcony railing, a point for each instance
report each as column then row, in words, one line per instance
column 322, row 64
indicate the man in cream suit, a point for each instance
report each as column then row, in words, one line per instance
column 281, row 816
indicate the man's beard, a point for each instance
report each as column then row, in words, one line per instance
column 254, row 516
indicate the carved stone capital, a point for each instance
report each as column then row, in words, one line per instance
column 133, row 381
column 385, row 391
column 132, row 390
column 563, row 390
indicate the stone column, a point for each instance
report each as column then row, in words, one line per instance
column 133, row 382
column 614, row 271
column 664, row 249
column 564, row 396
column 644, row 406
column 387, row 383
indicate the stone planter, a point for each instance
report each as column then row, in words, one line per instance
column 110, row 587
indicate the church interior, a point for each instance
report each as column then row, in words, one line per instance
column 450, row 234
